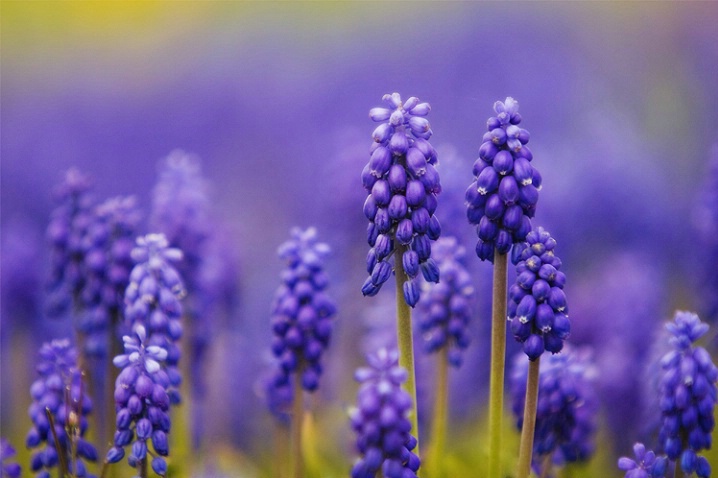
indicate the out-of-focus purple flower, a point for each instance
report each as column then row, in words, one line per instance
column 302, row 311
column 106, row 248
column 445, row 308
column 645, row 465
column 142, row 400
column 687, row 394
column 60, row 392
column 402, row 184
column 152, row 299
column 381, row 421
column 7, row 469
column 279, row 399
column 65, row 233
column 21, row 274
column 706, row 222
column 503, row 196
column 537, row 305
column 567, row 407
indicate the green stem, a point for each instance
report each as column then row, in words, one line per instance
column 498, row 359
column 405, row 339
column 297, row 418
column 440, row 419
column 143, row 467
column 547, row 465
column 529, row 425
column 61, row 452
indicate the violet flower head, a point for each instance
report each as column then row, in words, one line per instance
column 106, row 247
column 381, row 421
column 142, row 400
column 503, row 196
column 445, row 308
column 68, row 224
column 60, row 392
column 687, row 394
column 567, row 406
column 302, row 311
column 645, row 465
column 402, row 184
column 152, row 300
column 8, row 469
column 537, row 306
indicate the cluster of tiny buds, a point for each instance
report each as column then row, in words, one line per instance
column 503, row 196
column 8, row 469
column 537, row 306
column 402, row 185
column 645, row 465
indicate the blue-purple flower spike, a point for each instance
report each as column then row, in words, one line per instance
column 503, row 196
column 445, row 308
column 687, row 395
column 302, row 311
column 152, row 300
column 537, row 306
column 402, row 184
column 380, row 420
column 566, row 409
column 59, row 392
column 8, row 469
column 142, row 403
column 645, row 465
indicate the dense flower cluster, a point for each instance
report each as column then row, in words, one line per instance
column 65, row 233
column 503, row 197
column 106, row 248
column 8, row 469
column 537, row 304
column 380, row 420
column 646, row 464
column 445, row 308
column 59, row 392
column 141, row 400
column 302, row 311
column 567, row 407
column 687, row 394
column 153, row 300
column 402, row 184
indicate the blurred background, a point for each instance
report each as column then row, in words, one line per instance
column 620, row 100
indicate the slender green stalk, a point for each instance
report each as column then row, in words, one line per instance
column 529, row 426
column 281, row 447
column 498, row 359
column 297, row 418
column 105, row 466
column 143, row 467
column 61, row 455
column 440, row 418
column 547, row 465
column 405, row 339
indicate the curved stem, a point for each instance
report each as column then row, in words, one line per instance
column 61, row 452
column 405, row 339
column 529, row 425
column 440, row 418
column 498, row 359
column 547, row 465
column 297, row 418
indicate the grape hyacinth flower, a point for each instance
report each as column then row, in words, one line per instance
column 566, row 409
column 59, row 413
column 645, row 465
column 381, row 420
column 402, row 184
column 537, row 306
column 142, row 404
column 503, row 196
column 8, row 469
column 153, row 301
column 687, row 395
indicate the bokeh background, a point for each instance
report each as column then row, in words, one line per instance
column 620, row 99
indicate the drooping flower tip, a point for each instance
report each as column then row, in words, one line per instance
column 686, row 328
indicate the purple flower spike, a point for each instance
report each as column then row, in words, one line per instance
column 566, row 409
column 503, row 196
column 445, row 308
column 152, row 301
column 687, row 394
column 537, row 306
column 7, row 469
column 61, row 391
column 645, row 465
column 381, row 422
column 141, row 401
column 402, row 184
column 301, row 313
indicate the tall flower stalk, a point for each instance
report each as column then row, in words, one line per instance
column 402, row 186
column 500, row 202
